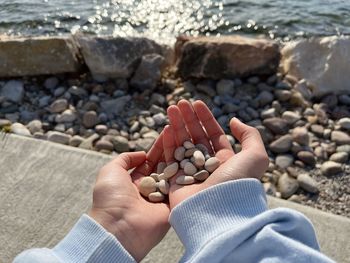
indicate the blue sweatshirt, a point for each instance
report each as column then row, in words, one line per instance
column 229, row 222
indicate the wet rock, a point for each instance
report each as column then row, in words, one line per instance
column 282, row 144
column 331, row 168
column 148, row 72
column 340, row 137
column 38, row 56
column 219, row 58
column 323, row 62
column 13, row 90
column 276, row 125
column 287, row 185
column 307, row 183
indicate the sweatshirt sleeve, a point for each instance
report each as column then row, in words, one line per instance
column 230, row 222
column 86, row 242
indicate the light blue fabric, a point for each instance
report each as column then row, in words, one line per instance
column 229, row 222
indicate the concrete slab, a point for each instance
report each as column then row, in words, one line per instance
column 45, row 187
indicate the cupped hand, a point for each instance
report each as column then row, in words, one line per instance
column 139, row 225
column 196, row 123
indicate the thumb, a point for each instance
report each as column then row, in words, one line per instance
column 248, row 136
column 129, row 160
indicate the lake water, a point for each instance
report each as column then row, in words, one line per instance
column 164, row 19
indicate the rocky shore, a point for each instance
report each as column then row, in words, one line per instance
column 305, row 126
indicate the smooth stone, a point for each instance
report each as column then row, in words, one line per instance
column 20, row 129
column 268, row 113
column 185, row 180
column 163, row 186
column 59, row 91
column 4, row 123
column 291, row 117
column 155, row 176
column 156, row 197
column 340, row 137
column 264, row 98
column 317, row 129
column 307, row 158
column 171, row 170
column 211, row 164
column 66, row 116
column 202, row 148
column 283, row 95
column 144, row 144
column 104, row 145
column 188, row 145
column 35, row 126
column 339, row 157
column 198, row 158
column 276, row 125
column 300, row 135
column 183, row 163
column 160, row 167
column 190, row 152
column 331, row 168
column 76, row 140
column 162, row 177
column 201, row 175
column 287, row 185
column 225, row 87
column 101, row 129
column 307, row 183
column 59, row 106
column 89, row 142
column 90, row 119
column 190, row 169
column 179, row 153
column 13, row 91
column 58, row 137
column 343, row 148
column 147, row 185
column 120, row 144
column 284, row 160
column 282, row 144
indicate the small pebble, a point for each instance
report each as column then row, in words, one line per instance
column 161, row 177
column 160, row 167
column 211, row 164
column 202, row 148
column 201, row 175
column 147, row 186
column 184, row 180
column 171, row 170
column 179, row 153
column 190, row 152
column 163, row 186
column 183, row 163
column 155, row 176
column 188, row 145
column 156, row 197
column 198, row 158
column 190, row 169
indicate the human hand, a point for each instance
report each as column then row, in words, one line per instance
column 138, row 225
column 196, row 122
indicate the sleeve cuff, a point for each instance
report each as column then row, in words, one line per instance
column 216, row 210
column 90, row 242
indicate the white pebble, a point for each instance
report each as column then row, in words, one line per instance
column 211, row 164
column 190, row 152
column 190, row 169
column 171, row 170
column 147, row 185
column 183, row 163
column 160, row 167
column 179, row 153
column 163, row 186
column 184, row 180
column 201, row 175
column 161, row 177
column 156, row 197
column 198, row 158
column 188, row 145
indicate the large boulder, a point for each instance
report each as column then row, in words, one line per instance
column 226, row 57
column 323, row 62
column 118, row 57
column 38, row 56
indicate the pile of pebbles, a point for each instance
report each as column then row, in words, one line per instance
column 307, row 139
column 197, row 165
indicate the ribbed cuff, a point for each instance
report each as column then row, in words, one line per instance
column 90, row 242
column 216, row 210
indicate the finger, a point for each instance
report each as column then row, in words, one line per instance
column 152, row 158
column 248, row 136
column 178, row 126
column 127, row 161
column 212, row 127
column 193, row 125
column 169, row 144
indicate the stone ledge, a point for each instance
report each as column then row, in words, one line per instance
column 43, row 192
